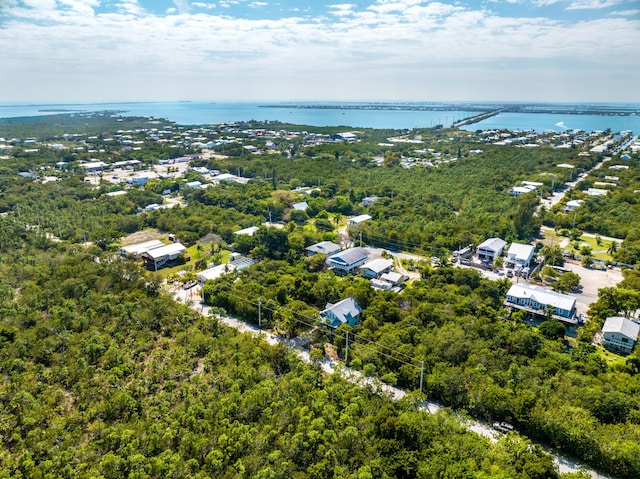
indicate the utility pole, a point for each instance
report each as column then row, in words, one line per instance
column 259, row 313
column 346, row 354
column 421, row 375
column 361, row 239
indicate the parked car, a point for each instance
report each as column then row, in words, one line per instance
column 503, row 426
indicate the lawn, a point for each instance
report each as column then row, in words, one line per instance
column 598, row 251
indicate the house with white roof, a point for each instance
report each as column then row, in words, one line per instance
column 346, row 311
column 137, row 249
column 215, row 272
column 348, row 260
column 376, row 268
column 520, row 254
column 93, row 166
column 596, row 192
column 490, row 249
column 572, row 205
column 358, row 219
column 324, row 247
column 539, row 302
column 250, row 231
column 620, row 334
column 158, row 257
column 302, row 206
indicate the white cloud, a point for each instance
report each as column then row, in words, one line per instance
column 545, row 3
column 257, row 4
column 171, row 10
column 403, row 49
column 342, row 9
column 208, row 6
column 182, row 6
column 625, row 13
column 593, row 4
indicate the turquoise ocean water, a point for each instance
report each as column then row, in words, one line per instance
column 199, row 113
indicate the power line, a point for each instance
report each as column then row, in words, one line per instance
column 314, row 324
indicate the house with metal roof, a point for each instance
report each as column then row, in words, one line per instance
column 490, row 249
column 324, row 247
column 539, row 302
column 348, row 260
column 158, row 257
column 520, row 254
column 215, row 272
column 358, row 219
column 376, row 267
column 620, row 334
column 250, row 231
column 346, row 311
column 137, row 249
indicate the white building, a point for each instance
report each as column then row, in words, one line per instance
column 521, row 254
column 490, row 249
column 376, row 267
column 572, row 205
column 215, row 272
column 158, row 257
column 620, row 334
column 250, row 231
column 359, row 219
column 139, row 248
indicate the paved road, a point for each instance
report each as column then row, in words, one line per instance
column 192, row 298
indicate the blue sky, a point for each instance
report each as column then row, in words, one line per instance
column 369, row 50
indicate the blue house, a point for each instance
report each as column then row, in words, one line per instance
column 346, row 311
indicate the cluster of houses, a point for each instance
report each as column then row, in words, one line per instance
column 597, row 141
column 379, row 271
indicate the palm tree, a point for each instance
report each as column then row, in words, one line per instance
column 613, row 247
column 337, row 218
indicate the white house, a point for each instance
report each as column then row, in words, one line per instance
column 620, row 334
column 302, row 206
column 139, row 248
column 93, row 166
column 158, row 257
column 537, row 301
column 521, row 190
column 490, row 249
column 215, row 272
column 346, row 311
column 596, row 192
column 348, row 260
column 250, row 231
column 376, row 267
column 572, row 205
column 359, row 219
column 521, row 254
